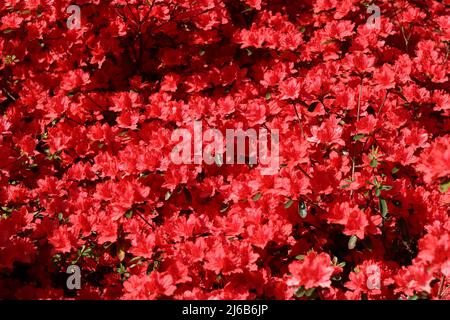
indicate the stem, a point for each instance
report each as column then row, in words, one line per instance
column 299, row 121
column 444, row 293
column 86, row 94
column 305, row 173
column 384, row 101
column 359, row 99
column 441, row 288
column 357, row 119
column 140, row 216
column 9, row 94
column 136, row 19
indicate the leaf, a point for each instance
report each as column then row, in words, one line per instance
column 358, row 137
column 288, row 204
column 167, row 196
column 352, row 242
column 300, row 257
column 374, row 163
column 6, row 209
column 129, row 214
column 268, row 95
column 383, row 207
column 300, row 292
column 395, row 170
column 309, row 292
column 302, row 209
column 313, row 106
column 257, row 196
column 187, row 194
column 121, row 254
column 377, row 192
column 135, row 259
column 444, row 187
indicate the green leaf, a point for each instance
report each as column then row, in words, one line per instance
column 300, row 292
column 374, row 163
column 268, row 96
column 167, row 196
column 395, row 170
column 358, row 137
column 288, row 204
column 300, row 257
column 377, row 192
column 302, row 209
column 383, row 207
column 135, row 259
column 6, row 209
column 257, row 196
column 129, row 214
column 352, row 242
column 444, row 187
column 309, row 292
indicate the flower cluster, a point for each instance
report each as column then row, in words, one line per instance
column 357, row 209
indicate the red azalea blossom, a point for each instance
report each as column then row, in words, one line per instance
column 314, row 270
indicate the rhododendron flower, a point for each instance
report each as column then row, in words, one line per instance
column 314, row 270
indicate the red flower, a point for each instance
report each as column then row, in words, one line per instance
column 87, row 174
column 435, row 160
column 314, row 270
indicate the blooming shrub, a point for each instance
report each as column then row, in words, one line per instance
column 358, row 208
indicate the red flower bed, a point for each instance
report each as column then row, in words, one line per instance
column 358, row 207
